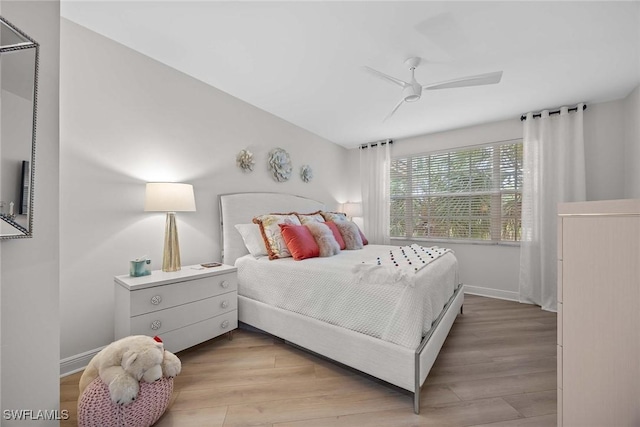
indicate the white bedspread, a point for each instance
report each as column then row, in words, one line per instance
column 327, row 289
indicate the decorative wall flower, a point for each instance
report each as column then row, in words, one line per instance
column 245, row 161
column 280, row 164
column 306, row 173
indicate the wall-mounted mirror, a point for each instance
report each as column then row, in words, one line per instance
column 19, row 89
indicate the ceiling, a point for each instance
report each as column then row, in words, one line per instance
column 302, row 61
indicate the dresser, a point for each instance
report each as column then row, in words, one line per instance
column 183, row 308
column 599, row 313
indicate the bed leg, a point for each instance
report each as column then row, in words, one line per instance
column 417, row 385
column 462, row 309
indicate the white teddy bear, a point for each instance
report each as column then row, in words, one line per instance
column 123, row 363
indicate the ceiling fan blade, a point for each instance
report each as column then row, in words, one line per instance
column 479, row 80
column 394, row 110
column 386, row 77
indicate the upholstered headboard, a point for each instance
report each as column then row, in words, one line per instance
column 241, row 208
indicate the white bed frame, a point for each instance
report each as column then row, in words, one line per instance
column 397, row 365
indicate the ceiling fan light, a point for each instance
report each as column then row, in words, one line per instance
column 412, row 92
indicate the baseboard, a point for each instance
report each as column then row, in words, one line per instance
column 492, row 293
column 76, row 363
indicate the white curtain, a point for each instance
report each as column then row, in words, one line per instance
column 374, row 177
column 553, row 171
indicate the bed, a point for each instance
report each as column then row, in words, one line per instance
column 401, row 359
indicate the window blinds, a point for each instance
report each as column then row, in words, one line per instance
column 470, row 193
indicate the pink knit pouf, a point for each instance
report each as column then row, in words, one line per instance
column 95, row 408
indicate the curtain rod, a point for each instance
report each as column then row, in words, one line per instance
column 374, row 144
column 538, row 115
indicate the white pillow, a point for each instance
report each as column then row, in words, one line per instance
column 252, row 239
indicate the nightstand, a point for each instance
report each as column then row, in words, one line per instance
column 184, row 308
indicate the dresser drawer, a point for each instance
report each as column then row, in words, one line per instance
column 560, row 393
column 179, row 339
column 560, row 322
column 559, row 366
column 159, row 322
column 560, row 281
column 161, row 297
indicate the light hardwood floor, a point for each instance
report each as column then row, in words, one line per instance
column 497, row 368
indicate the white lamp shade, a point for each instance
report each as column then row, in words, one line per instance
column 169, row 197
column 352, row 209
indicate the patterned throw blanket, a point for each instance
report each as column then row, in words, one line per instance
column 399, row 265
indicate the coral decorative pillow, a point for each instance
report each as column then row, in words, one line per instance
column 336, row 234
column 350, row 233
column 311, row 217
column 95, row 408
column 299, row 241
column 270, row 229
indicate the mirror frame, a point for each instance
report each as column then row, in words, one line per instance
column 21, row 231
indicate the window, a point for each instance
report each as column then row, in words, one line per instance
column 473, row 193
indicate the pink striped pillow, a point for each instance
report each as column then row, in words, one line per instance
column 336, row 234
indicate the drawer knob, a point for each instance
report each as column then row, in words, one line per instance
column 225, row 324
column 224, row 304
column 156, row 324
column 156, row 299
column 224, row 284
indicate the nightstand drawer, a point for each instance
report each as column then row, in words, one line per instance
column 159, row 322
column 180, row 339
column 160, row 297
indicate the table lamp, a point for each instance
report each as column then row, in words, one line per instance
column 170, row 197
column 352, row 209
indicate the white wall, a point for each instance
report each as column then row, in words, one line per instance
column 604, row 150
column 632, row 145
column 493, row 270
column 30, row 267
column 126, row 120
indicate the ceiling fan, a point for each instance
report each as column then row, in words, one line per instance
column 412, row 90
